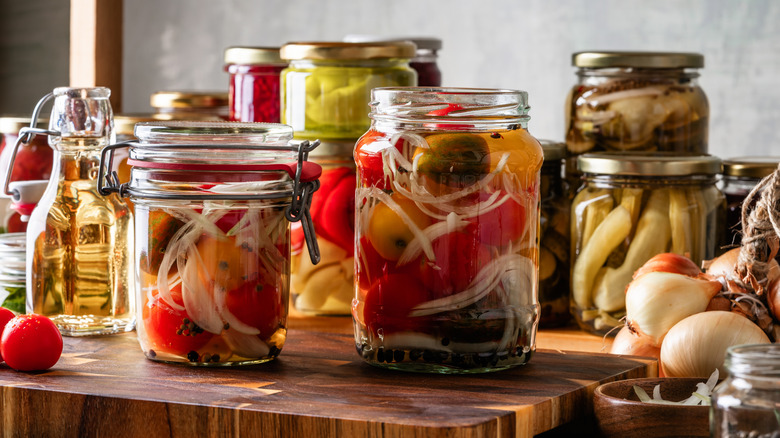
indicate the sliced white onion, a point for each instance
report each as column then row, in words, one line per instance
column 432, row 232
column 247, row 346
column 196, row 295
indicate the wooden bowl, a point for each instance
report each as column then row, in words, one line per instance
column 619, row 413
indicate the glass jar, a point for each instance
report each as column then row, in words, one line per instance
column 254, row 83
column 33, row 163
column 79, row 260
column 636, row 101
column 747, row 403
column 740, row 176
column 424, row 61
column 446, row 258
column 212, row 252
column 325, row 90
column 328, row 287
column 190, row 105
column 630, row 208
column 554, row 239
column 12, row 272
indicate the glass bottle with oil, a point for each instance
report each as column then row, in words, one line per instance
column 79, row 242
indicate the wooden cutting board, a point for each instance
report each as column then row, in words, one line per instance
column 318, row 387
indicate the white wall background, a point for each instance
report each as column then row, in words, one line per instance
column 525, row 44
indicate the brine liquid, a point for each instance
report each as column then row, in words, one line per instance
column 78, row 249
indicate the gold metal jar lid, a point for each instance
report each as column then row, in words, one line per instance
column 12, row 124
column 253, row 55
column 553, row 150
column 125, row 123
column 422, row 43
column 750, row 167
column 189, row 99
column 637, row 59
column 637, row 164
column 342, row 50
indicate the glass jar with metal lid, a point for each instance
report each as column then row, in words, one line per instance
column 328, row 287
column 424, row 61
column 325, row 90
column 254, row 83
column 637, row 101
column 740, row 176
column 631, row 207
column 554, row 238
column 213, row 206
column 747, row 403
column 190, row 105
column 446, row 229
column 13, row 270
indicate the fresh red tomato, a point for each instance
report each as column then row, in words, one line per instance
column 5, row 316
column 169, row 330
column 390, row 300
column 31, row 343
column 501, row 225
column 459, row 257
column 257, row 304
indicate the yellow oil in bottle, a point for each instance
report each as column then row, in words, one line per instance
column 80, row 258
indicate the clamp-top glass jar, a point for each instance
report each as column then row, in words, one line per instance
column 747, row 403
column 326, row 89
column 630, row 208
column 636, row 101
column 254, row 83
column 446, row 259
column 212, row 203
column 79, row 242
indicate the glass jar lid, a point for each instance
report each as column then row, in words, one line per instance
column 637, row 164
column 750, row 167
column 12, row 124
column 253, row 55
column 422, row 43
column 188, row 99
column 343, row 50
column 637, row 60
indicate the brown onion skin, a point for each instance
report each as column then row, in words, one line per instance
column 773, row 298
column 669, row 262
column 628, row 343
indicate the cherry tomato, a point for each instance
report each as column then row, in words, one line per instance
column 226, row 263
column 389, row 301
column 388, row 233
column 502, row 224
column 370, row 160
column 459, row 258
column 5, row 316
column 31, row 343
column 170, row 330
column 257, row 304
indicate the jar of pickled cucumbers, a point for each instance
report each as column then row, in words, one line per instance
column 213, row 205
column 190, row 105
column 254, row 83
column 446, row 258
column 328, row 287
column 631, row 207
column 636, row 101
column 740, row 176
column 554, row 239
column 325, row 90
column 747, row 403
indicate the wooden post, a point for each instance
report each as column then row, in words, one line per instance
column 96, row 46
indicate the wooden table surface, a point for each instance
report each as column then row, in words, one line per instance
column 318, row 387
